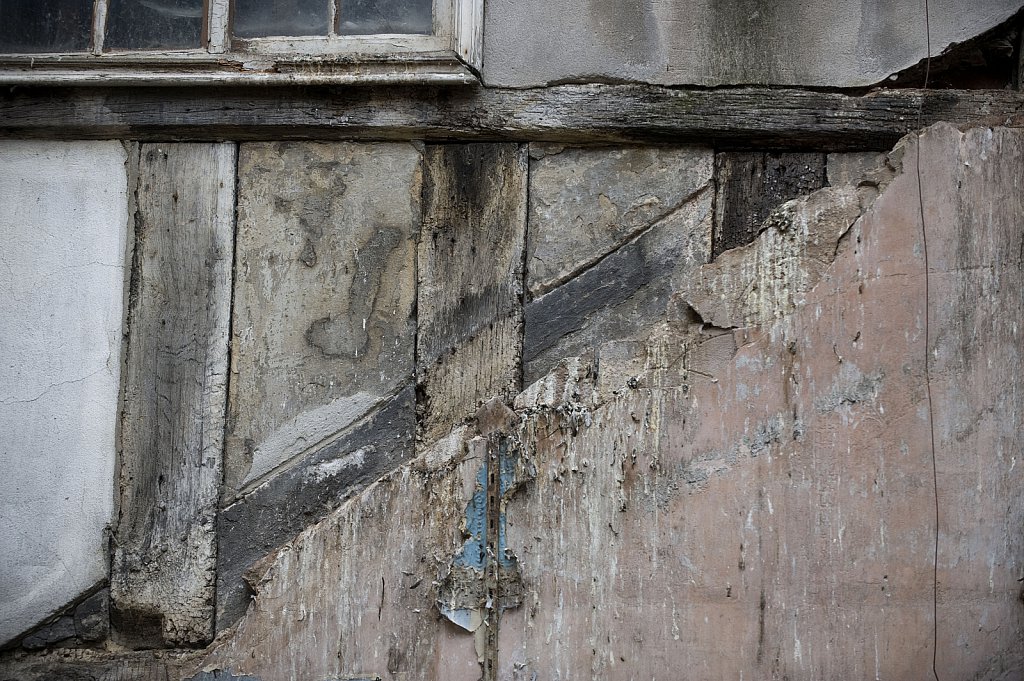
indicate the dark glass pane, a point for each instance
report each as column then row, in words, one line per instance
column 153, row 24
column 262, row 18
column 45, row 25
column 363, row 17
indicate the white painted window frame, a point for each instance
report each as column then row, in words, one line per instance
column 450, row 56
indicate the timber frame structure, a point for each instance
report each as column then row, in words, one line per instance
column 446, row 381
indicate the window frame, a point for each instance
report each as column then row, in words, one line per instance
column 452, row 55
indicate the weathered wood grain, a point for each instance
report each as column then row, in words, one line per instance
column 303, row 494
column 484, row 366
column 749, row 185
column 323, row 324
column 162, row 577
column 97, row 665
column 726, row 118
column 469, row 298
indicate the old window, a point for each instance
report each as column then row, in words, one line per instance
column 238, row 41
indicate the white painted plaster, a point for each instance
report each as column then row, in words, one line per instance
column 329, row 469
column 63, row 218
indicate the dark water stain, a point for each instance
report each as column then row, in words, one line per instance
column 347, row 335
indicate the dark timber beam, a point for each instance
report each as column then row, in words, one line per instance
column 728, row 118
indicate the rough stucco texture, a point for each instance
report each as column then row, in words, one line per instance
column 702, row 42
column 63, row 211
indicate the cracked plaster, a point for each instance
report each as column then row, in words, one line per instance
column 63, row 211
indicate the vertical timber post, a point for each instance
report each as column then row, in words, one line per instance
column 164, row 555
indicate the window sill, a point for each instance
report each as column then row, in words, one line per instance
column 194, row 68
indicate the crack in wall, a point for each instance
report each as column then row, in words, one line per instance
column 53, row 386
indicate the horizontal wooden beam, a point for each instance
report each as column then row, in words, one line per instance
column 727, row 118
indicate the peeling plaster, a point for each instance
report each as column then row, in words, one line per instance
column 463, row 595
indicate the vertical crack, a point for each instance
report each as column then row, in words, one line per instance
column 232, row 357
column 927, row 348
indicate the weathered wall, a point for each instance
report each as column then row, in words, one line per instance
column 721, row 457
column 742, row 487
column 63, row 225
column 757, row 500
column 703, row 42
column 612, row 233
column 322, row 340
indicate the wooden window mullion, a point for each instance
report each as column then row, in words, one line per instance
column 99, row 25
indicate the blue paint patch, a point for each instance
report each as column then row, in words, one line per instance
column 474, row 549
column 506, row 480
column 462, row 600
column 462, row 617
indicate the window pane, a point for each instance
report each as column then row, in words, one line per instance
column 262, row 18
column 361, row 17
column 45, row 25
column 154, row 24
